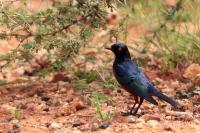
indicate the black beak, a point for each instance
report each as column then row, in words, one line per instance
column 108, row 49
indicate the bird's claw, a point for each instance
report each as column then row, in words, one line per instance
column 126, row 113
column 130, row 113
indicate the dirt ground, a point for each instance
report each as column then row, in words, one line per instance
column 55, row 105
column 60, row 108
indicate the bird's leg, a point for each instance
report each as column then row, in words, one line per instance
column 140, row 103
column 130, row 112
column 136, row 101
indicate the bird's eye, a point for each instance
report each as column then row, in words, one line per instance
column 120, row 49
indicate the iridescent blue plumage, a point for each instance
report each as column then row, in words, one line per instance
column 133, row 78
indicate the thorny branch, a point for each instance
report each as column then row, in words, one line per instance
column 30, row 33
column 50, row 33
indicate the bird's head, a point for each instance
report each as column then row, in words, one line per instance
column 120, row 50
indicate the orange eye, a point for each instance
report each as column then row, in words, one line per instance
column 119, row 49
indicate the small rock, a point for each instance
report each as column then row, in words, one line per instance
column 15, row 121
column 67, row 110
column 109, row 102
column 30, row 107
column 168, row 117
column 60, row 76
column 21, row 106
column 46, row 109
column 153, row 123
column 95, row 127
column 175, row 84
column 104, row 125
column 7, row 108
column 63, row 90
column 139, row 126
column 140, row 120
column 67, row 79
column 10, row 131
column 8, row 119
column 78, row 123
column 79, row 105
column 132, row 119
column 16, row 126
column 39, row 92
column 148, row 117
column 167, row 128
column 49, row 103
column 55, row 125
column 182, row 95
column 45, row 98
column 47, row 125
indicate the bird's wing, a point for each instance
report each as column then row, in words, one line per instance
column 133, row 80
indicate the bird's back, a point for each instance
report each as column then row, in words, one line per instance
column 131, row 77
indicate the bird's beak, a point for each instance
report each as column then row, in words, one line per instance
column 108, row 48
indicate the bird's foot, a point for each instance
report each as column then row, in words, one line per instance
column 126, row 113
column 130, row 113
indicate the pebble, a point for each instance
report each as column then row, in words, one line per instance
column 63, row 90
column 46, row 109
column 139, row 126
column 30, row 106
column 104, row 125
column 10, row 131
column 153, row 123
column 94, row 127
column 140, row 120
column 168, row 128
column 55, row 125
column 168, row 117
column 21, row 106
column 78, row 123
column 132, row 119
column 182, row 95
column 7, row 107
column 14, row 121
column 79, row 105
column 148, row 117
column 16, row 126
column 45, row 98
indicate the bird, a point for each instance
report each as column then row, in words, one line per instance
column 134, row 80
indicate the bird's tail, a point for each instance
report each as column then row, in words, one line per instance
column 166, row 98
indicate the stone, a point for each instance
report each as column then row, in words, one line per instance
column 153, row 123
column 94, row 127
column 45, row 98
column 104, row 125
column 132, row 119
column 55, row 125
